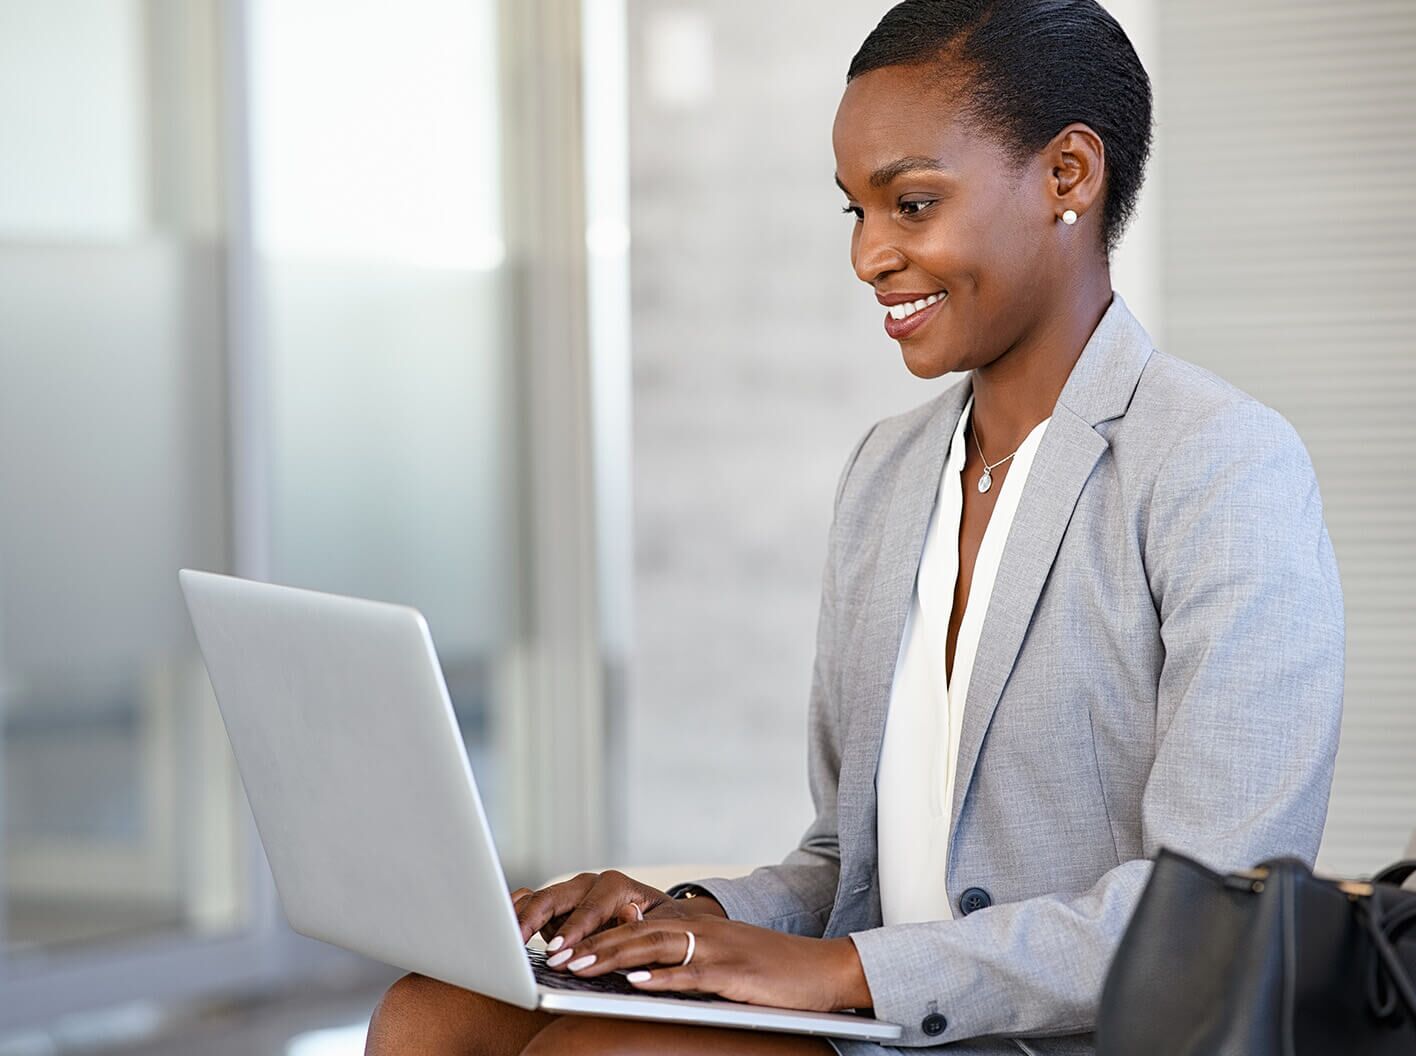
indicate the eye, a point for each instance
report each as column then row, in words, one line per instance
column 906, row 209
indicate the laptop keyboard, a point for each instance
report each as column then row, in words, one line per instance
column 610, row 983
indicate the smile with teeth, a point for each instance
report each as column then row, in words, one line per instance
column 904, row 311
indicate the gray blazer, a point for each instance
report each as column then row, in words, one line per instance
column 1161, row 663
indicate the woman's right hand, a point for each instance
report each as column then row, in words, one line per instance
column 591, row 902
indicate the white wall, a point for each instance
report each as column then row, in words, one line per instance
column 759, row 359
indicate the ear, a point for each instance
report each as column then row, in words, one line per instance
column 1076, row 165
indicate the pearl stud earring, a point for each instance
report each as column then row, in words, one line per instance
column 1070, row 216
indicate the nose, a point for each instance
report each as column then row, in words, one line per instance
column 874, row 252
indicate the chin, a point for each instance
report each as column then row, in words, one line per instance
column 928, row 363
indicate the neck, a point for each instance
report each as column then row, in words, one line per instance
column 1020, row 388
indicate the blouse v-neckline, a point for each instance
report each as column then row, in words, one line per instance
column 924, row 723
column 995, row 532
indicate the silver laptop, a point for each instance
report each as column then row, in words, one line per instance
column 366, row 804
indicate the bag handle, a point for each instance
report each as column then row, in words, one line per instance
column 1385, row 929
column 1397, row 873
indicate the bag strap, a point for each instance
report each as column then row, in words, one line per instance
column 1385, row 929
column 1397, row 873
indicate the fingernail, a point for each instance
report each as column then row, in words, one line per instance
column 559, row 959
column 638, row 977
column 583, row 962
column 556, row 943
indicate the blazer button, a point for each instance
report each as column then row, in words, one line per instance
column 933, row 1024
column 974, row 899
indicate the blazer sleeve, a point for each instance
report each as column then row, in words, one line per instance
column 797, row 894
column 1248, row 705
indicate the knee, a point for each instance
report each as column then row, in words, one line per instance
column 423, row 1016
column 410, row 992
column 572, row 1035
column 584, row 1036
column 397, row 1009
column 411, row 1013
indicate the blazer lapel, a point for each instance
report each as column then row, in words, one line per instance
column 876, row 647
column 1098, row 389
column 1065, row 457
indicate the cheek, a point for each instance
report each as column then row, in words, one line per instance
column 1006, row 255
column 946, row 251
column 974, row 244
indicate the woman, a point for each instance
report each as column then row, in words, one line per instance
column 1081, row 605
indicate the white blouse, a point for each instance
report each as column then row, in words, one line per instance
column 915, row 780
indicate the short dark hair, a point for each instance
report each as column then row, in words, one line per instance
column 1031, row 68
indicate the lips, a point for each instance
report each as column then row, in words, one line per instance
column 902, row 328
column 902, row 297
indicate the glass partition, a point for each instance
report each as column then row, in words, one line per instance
column 264, row 309
column 379, row 252
column 119, row 812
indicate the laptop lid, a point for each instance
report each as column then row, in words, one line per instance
column 349, row 751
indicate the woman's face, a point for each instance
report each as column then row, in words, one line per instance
column 975, row 228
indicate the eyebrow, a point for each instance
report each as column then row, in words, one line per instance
column 886, row 174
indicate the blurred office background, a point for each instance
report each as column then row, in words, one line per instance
column 538, row 314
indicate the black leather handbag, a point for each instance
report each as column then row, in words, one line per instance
column 1272, row 961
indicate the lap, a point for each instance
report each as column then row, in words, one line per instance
column 421, row 1015
column 430, row 1018
column 569, row 1035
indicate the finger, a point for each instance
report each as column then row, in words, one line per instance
column 611, row 890
column 550, row 931
column 629, row 913
column 544, row 911
column 519, row 905
column 671, row 908
column 692, row 976
column 540, row 907
column 629, row 946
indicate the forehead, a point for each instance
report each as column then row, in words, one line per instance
column 899, row 112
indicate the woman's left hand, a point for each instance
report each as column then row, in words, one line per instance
column 737, row 961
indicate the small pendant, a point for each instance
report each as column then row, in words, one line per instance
column 985, row 482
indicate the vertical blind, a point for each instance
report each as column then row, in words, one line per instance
column 1288, row 133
